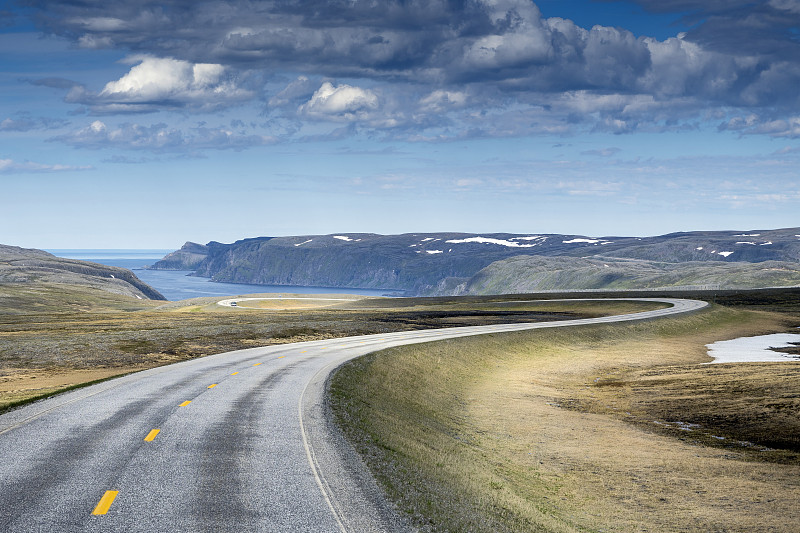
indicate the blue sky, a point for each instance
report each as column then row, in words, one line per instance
column 146, row 124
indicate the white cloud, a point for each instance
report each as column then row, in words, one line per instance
column 302, row 87
column 602, row 152
column 788, row 127
column 164, row 78
column 468, row 182
column 100, row 23
column 154, row 82
column 160, row 138
column 421, row 67
column 340, row 103
column 9, row 166
column 792, row 6
column 442, row 101
column 28, row 123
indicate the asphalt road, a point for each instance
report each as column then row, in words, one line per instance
column 243, row 444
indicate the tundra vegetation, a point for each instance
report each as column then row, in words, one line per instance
column 617, row 427
column 54, row 336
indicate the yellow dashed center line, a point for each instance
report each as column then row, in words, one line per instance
column 256, row 364
column 234, row 373
column 184, row 404
column 105, row 502
column 304, row 351
column 281, row 357
column 152, row 435
column 212, row 385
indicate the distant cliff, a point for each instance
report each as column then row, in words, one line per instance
column 448, row 263
column 27, row 265
column 188, row 257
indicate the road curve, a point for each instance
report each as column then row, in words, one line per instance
column 243, row 443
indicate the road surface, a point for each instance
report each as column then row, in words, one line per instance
column 237, row 442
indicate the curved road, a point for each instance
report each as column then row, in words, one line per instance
column 243, row 443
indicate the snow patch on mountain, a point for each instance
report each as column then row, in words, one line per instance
column 489, row 240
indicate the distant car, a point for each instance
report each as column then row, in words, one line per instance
column 233, row 304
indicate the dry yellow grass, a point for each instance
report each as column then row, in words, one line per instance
column 78, row 335
column 19, row 384
column 549, row 430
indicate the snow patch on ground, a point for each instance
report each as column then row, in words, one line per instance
column 588, row 241
column 530, row 238
column 343, row 238
column 699, row 248
column 754, row 349
column 766, row 243
column 304, row 242
column 746, row 242
column 488, row 240
column 748, row 235
column 434, row 251
column 725, row 254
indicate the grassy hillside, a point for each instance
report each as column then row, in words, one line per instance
column 21, row 267
column 525, row 274
column 598, row 428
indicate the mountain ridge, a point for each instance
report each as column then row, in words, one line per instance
column 429, row 263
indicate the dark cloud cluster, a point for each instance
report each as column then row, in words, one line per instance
column 435, row 67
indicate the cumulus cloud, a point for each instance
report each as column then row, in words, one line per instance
column 431, row 64
column 164, row 82
column 788, row 127
column 340, row 103
column 160, row 138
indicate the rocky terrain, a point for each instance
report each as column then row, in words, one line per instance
column 459, row 263
column 25, row 266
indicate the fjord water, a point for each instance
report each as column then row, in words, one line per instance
column 179, row 285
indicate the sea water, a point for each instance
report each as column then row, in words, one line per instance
column 180, row 285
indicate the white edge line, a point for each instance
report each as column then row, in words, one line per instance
column 675, row 309
column 312, row 459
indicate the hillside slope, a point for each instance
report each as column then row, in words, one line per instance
column 525, row 274
column 440, row 263
column 25, row 266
